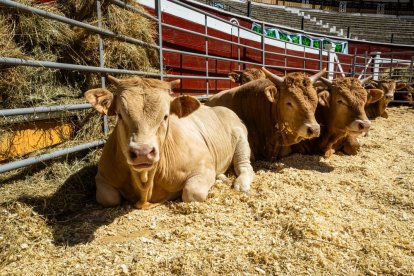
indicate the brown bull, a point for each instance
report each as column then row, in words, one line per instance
column 340, row 113
column 164, row 148
column 378, row 108
column 277, row 111
column 249, row 74
column 405, row 92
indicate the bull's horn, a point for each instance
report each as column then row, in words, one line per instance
column 274, row 78
column 326, row 81
column 365, row 80
column 317, row 75
column 113, row 80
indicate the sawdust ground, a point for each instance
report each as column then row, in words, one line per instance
column 345, row 215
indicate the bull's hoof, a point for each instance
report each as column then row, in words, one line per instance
column 328, row 153
column 146, row 205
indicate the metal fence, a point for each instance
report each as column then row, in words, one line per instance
column 283, row 59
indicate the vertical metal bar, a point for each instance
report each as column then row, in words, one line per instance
column 392, row 38
column 391, row 67
column 365, row 64
column 285, row 58
column 159, row 15
column 263, row 44
column 354, row 63
column 238, row 47
column 304, row 57
column 411, row 69
column 206, row 49
column 320, row 59
column 101, row 62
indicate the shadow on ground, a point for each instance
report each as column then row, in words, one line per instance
column 297, row 161
column 71, row 212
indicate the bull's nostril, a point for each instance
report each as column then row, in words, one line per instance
column 310, row 131
column 152, row 153
column 361, row 125
column 132, row 155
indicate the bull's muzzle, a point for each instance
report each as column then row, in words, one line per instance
column 363, row 125
column 389, row 97
column 313, row 130
column 141, row 156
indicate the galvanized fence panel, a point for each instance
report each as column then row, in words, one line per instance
column 356, row 65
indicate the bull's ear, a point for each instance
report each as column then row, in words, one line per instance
column 324, row 98
column 101, row 99
column 184, row 105
column 174, row 83
column 401, row 86
column 271, row 93
column 374, row 95
column 234, row 77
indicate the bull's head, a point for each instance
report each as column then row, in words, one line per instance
column 242, row 77
column 388, row 86
column 296, row 100
column 143, row 107
column 345, row 103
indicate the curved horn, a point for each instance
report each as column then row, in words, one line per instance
column 114, row 80
column 317, row 75
column 275, row 79
column 326, row 81
column 365, row 80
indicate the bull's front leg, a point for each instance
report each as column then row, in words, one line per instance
column 106, row 195
column 241, row 163
column 197, row 186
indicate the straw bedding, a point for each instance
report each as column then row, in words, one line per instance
column 344, row 215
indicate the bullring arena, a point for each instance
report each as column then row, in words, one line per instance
column 304, row 214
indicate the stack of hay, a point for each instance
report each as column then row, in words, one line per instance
column 29, row 36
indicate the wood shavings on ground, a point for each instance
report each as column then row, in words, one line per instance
column 344, row 215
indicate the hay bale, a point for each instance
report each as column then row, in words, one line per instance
column 117, row 54
column 33, row 31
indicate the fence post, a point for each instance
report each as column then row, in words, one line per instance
column 365, row 64
column 320, row 59
column 348, row 32
column 206, row 50
column 159, row 15
column 411, row 69
column 238, row 47
column 392, row 38
column 263, row 44
column 331, row 61
column 376, row 61
column 249, row 8
column 302, row 25
column 101, row 62
column 354, row 63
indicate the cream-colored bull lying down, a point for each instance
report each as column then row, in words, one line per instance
column 163, row 148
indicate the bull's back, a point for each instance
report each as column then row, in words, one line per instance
column 218, row 126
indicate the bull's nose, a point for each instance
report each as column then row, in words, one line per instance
column 142, row 154
column 364, row 125
column 389, row 97
column 313, row 130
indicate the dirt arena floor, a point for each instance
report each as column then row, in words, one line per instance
column 305, row 215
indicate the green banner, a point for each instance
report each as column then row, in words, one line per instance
column 300, row 39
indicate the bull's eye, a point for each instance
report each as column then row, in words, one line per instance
column 341, row 102
column 289, row 104
column 165, row 117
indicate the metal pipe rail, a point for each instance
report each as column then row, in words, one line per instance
column 48, row 156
